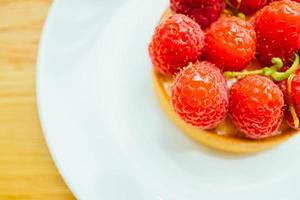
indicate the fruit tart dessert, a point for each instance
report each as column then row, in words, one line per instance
column 227, row 72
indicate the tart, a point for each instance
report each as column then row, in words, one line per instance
column 226, row 135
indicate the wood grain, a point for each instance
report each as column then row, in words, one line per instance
column 26, row 168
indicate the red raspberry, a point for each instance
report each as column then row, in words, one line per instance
column 270, row 1
column 204, row 12
column 249, row 6
column 199, row 95
column 293, row 97
column 278, row 31
column 256, row 106
column 230, row 43
column 176, row 42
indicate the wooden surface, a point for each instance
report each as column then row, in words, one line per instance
column 26, row 168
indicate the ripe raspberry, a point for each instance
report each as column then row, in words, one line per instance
column 292, row 98
column 230, row 43
column 278, row 31
column 176, row 42
column 269, row 1
column 199, row 95
column 204, row 12
column 249, row 6
column 256, row 106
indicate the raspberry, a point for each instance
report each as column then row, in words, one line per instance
column 270, row 1
column 230, row 43
column 249, row 6
column 199, row 95
column 278, row 31
column 204, row 12
column 176, row 42
column 292, row 97
column 256, row 106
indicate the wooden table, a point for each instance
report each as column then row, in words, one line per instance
column 26, row 168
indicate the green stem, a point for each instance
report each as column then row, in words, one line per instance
column 291, row 105
column 230, row 74
column 268, row 71
column 241, row 15
column 294, row 115
column 279, row 76
column 235, row 9
column 277, row 63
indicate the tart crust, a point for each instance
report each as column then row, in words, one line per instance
column 225, row 137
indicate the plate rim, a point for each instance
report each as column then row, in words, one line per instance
column 40, row 53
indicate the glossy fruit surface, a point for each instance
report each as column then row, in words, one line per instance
column 177, row 41
column 230, row 43
column 256, row 106
column 292, row 97
column 278, row 31
column 199, row 95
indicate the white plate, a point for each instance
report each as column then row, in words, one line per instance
column 105, row 130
